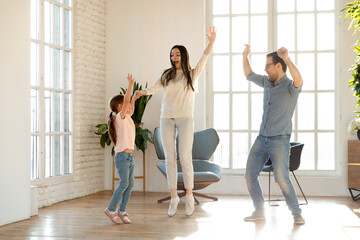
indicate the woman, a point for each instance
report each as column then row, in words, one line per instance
column 179, row 83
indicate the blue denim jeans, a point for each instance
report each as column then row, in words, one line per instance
column 278, row 149
column 124, row 163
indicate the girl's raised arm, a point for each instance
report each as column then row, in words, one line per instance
column 136, row 96
column 126, row 104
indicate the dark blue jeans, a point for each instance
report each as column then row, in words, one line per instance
column 278, row 149
column 124, row 163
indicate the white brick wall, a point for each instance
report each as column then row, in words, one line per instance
column 88, row 110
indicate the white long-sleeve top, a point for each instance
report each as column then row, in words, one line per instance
column 178, row 100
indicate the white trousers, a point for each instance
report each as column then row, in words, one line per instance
column 185, row 131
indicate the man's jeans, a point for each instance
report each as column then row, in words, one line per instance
column 278, row 149
column 124, row 163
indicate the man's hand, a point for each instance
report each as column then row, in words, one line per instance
column 246, row 63
column 283, row 53
column 246, row 50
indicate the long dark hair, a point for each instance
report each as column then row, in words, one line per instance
column 114, row 103
column 170, row 73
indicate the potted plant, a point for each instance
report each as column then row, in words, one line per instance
column 352, row 10
column 143, row 136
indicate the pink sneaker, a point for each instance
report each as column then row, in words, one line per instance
column 112, row 216
column 126, row 214
column 124, row 218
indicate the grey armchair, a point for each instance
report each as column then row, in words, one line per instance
column 205, row 172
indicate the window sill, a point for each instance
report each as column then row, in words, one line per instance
column 301, row 173
column 53, row 180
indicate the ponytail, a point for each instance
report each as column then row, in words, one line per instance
column 114, row 102
column 111, row 127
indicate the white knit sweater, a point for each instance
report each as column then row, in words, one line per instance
column 178, row 99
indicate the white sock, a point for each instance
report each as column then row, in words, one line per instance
column 174, row 199
column 122, row 213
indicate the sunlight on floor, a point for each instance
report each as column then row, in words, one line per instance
column 323, row 221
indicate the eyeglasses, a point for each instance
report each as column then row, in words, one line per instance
column 268, row 65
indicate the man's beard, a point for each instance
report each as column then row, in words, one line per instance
column 272, row 77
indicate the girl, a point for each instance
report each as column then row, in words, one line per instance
column 122, row 134
column 179, row 83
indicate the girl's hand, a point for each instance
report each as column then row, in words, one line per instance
column 212, row 35
column 130, row 79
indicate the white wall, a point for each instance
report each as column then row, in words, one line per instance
column 15, row 114
column 88, row 109
column 139, row 36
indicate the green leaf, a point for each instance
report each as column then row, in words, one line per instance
column 352, row 10
column 123, row 91
column 347, row 15
column 102, row 128
column 142, row 137
column 103, row 140
column 108, row 140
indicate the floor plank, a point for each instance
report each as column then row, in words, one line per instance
column 83, row 218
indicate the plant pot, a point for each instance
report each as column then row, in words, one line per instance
column 358, row 134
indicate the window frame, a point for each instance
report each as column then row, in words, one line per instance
column 272, row 16
column 42, row 179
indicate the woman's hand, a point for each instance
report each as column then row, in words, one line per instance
column 137, row 95
column 211, row 36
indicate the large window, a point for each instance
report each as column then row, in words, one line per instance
column 51, row 88
column 308, row 29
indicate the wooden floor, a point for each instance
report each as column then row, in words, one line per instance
column 83, row 218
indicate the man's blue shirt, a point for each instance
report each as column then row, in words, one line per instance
column 278, row 104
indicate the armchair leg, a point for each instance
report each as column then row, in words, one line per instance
column 164, row 199
column 196, row 201
column 195, row 195
column 204, row 196
column 354, row 197
column 169, row 197
column 269, row 189
column 306, row 201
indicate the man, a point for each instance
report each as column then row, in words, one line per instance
column 280, row 97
